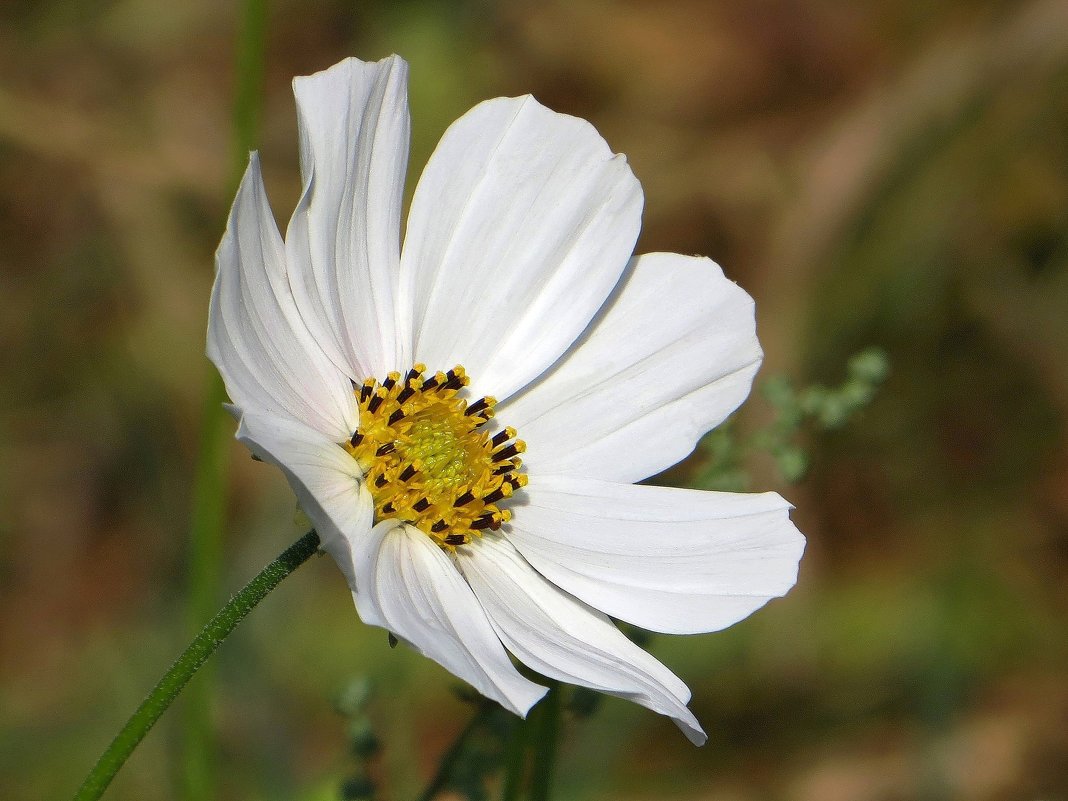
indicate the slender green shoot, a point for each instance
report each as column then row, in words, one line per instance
column 183, row 669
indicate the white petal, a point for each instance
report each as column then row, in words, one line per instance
column 327, row 481
column 563, row 638
column 671, row 355
column 671, row 560
column 407, row 585
column 268, row 359
column 520, row 226
column 345, row 232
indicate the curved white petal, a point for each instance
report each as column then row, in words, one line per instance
column 669, row 357
column 670, row 560
column 345, row 232
column 268, row 360
column 327, row 481
column 519, row 228
column 406, row 584
column 561, row 637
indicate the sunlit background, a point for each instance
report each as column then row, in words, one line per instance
column 891, row 173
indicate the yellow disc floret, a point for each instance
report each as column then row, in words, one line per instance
column 427, row 458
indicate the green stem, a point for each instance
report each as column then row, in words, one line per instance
column 548, row 718
column 515, row 762
column 176, row 677
column 441, row 778
column 209, row 493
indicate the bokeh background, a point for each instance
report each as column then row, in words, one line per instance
column 890, row 173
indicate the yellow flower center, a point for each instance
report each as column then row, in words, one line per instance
column 427, row 458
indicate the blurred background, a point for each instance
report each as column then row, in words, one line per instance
column 890, row 173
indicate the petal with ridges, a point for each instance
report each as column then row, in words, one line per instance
column 670, row 560
column 267, row 357
column 345, row 232
column 519, row 228
column 669, row 357
column 407, row 585
column 559, row 636
column 327, row 480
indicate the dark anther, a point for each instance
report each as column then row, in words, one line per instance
column 381, row 481
column 505, row 453
column 440, row 526
column 456, row 539
column 499, row 438
column 467, row 497
column 389, row 447
column 421, row 505
column 486, row 521
column 396, row 416
column 365, row 392
column 494, row 496
column 389, row 383
column 405, row 393
column 389, row 508
column 411, row 374
column 429, row 383
column 355, row 439
column 476, row 407
column 503, row 469
column 376, row 401
column 407, row 473
column 456, row 382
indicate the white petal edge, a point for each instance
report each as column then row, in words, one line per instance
column 345, row 232
column 670, row 560
column 407, row 585
column 671, row 355
column 559, row 636
column 328, row 482
column 521, row 224
column 257, row 339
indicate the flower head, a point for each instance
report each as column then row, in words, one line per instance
column 462, row 418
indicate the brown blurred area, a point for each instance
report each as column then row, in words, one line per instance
column 883, row 173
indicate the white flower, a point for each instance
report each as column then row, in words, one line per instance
column 338, row 349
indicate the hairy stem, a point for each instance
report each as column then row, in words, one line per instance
column 183, row 669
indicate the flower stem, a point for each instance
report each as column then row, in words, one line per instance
column 176, row 677
column 515, row 762
column 209, row 493
column 548, row 719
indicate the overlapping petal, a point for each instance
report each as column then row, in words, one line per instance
column 345, row 232
column 670, row 560
column 519, row 228
column 563, row 638
column 669, row 357
column 328, row 482
column 406, row 584
column 268, row 359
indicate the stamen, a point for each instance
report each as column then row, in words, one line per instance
column 502, row 437
column 427, row 460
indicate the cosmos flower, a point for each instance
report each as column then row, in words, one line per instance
column 463, row 418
